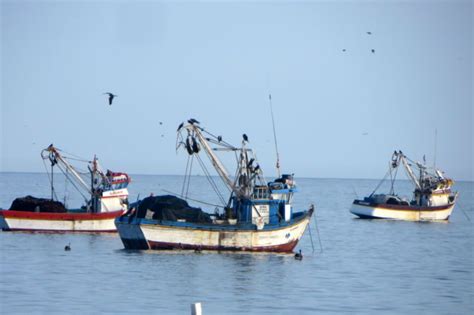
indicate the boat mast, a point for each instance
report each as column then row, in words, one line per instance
column 275, row 138
column 435, row 147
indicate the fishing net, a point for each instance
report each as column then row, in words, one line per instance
column 33, row 204
column 171, row 208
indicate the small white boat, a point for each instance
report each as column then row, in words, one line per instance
column 258, row 215
column 105, row 199
column 432, row 198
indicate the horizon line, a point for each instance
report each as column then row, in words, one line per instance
column 202, row 175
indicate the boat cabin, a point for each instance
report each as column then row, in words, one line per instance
column 270, row 204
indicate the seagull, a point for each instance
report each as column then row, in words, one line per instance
column 111, row 97
column 245, row 137
column 193, row 121
column 299, row 256
column 67, row 247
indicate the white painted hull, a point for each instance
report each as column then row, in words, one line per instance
column 158, row 236
column 57, row 222
column 408, row 214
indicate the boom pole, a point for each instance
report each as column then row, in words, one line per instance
column 409, row 171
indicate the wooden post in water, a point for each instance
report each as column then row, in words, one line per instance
column 196, row 309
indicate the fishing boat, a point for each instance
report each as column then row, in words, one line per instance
column 258, row 215
column 432, row 198
column 104, row 199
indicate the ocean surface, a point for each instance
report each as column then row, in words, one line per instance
column 363, row 266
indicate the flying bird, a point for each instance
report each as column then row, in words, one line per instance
column 373, row 51
column 344, row 50
column 111, row 97
column 369, row 33
column 245, row 137
column 161, row 123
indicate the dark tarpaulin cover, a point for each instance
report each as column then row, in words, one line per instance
column 171, row 208
column 30, row 203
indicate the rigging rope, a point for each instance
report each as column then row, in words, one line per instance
column 195, row 200
column 50, row 180
column 378, row 186
column 211, row 181
column 76, row 157
column 319, row 236
column 189, row 177
column 311, row 236
column 72, row 182
column 185, row 176
column 222, row 142
column 393, row 180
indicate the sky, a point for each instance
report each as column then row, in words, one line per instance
column 340, row 109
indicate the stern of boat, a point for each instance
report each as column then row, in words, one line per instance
column 3, row 222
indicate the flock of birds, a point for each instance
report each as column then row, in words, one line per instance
column 372, row 50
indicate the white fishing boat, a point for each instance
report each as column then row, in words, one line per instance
column 104, row 199
column 432, row 199
column 258, row 215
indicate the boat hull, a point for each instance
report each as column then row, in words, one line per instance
column 399, row 212
column 11, row 220
column 146, row 234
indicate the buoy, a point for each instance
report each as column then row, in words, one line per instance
column 196, row 309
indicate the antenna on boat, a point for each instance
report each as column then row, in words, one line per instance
column 435, row 147
column 274, row 137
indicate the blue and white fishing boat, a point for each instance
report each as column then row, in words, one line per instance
column 258, row 215
column 432, row 199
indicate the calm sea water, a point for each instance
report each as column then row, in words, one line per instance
column 366, row 266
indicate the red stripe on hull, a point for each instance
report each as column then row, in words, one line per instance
column 59, row 231
column 283, row 248
column 59, row 216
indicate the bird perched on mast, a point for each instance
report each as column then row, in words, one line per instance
column 111, row 97
column 246, row 139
